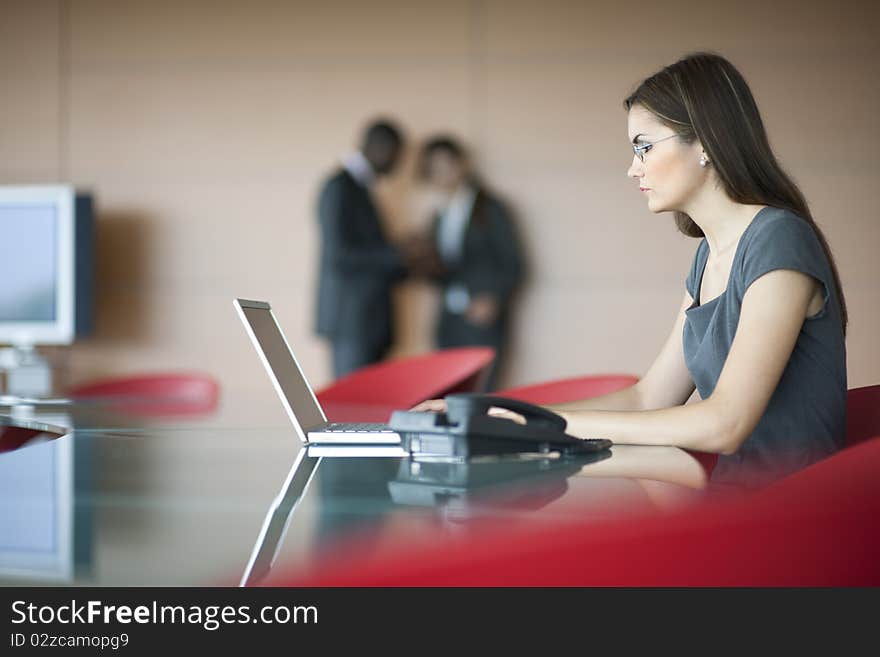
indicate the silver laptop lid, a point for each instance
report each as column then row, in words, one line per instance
column 294, row 391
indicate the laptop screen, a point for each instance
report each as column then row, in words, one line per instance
column 286, row 375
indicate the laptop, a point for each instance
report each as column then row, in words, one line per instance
column 299, row 400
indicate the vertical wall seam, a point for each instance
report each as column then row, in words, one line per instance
column 63, row 164
column 479, row 96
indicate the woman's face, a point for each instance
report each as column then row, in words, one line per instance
column 445, row 171
column 671, row 173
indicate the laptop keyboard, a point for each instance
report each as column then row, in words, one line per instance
column 358, row 427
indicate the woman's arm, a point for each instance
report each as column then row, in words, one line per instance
column 772, row 313
column 666, row 383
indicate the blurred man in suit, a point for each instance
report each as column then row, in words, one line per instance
column 359, row 265
column 482, row 263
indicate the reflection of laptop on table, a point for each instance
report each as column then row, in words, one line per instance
column 458, row 491
column 296, row 394
column 278, row 519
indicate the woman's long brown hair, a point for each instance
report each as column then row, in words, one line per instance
column 703, row 96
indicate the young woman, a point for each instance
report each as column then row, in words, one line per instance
column 482, row 263
column 760, row 331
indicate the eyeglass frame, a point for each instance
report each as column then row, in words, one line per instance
column 640, row 151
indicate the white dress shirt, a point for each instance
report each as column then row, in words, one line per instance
column 359, row 167
column 454, row 222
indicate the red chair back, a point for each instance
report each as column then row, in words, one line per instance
column 407, row 381
column 178, row 393
column 862, row 414
column 566, row 390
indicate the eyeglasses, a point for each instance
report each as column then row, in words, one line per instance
column 644, row 148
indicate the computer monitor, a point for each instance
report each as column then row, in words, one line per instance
column 37, row 512
column 46, row 265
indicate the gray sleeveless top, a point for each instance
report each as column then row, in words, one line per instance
column 806, row 418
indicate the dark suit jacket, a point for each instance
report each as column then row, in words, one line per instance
column 491, row 262
column 358, row 266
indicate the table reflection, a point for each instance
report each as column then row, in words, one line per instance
column 225, row 500
column 45, row 534
column 359, row 493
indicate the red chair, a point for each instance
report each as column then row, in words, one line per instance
column 154, row 394
column 815, row 528
column 862, row 414
column 565, row 390
column 407, row 381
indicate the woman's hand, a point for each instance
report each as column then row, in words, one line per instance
column 482, row 310
column 439, row 406
column 430, row 406
column 504, row 414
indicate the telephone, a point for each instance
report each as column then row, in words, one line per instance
column 466, row 429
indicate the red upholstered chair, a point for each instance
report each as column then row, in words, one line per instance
column 565, row 390
column 159, row 394
column 862, row 414
column 815, row 528
column 405, row 382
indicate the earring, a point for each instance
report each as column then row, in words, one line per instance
column 704, row 160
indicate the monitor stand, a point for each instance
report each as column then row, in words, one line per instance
column 28, row 374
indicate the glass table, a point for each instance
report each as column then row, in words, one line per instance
column 94, row 494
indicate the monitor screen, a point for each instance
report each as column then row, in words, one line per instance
column 46, row 264
column 28, row 268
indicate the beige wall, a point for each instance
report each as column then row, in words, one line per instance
column 204, row 128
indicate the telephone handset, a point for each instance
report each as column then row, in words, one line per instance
column 460, row 406
column 466, row 429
